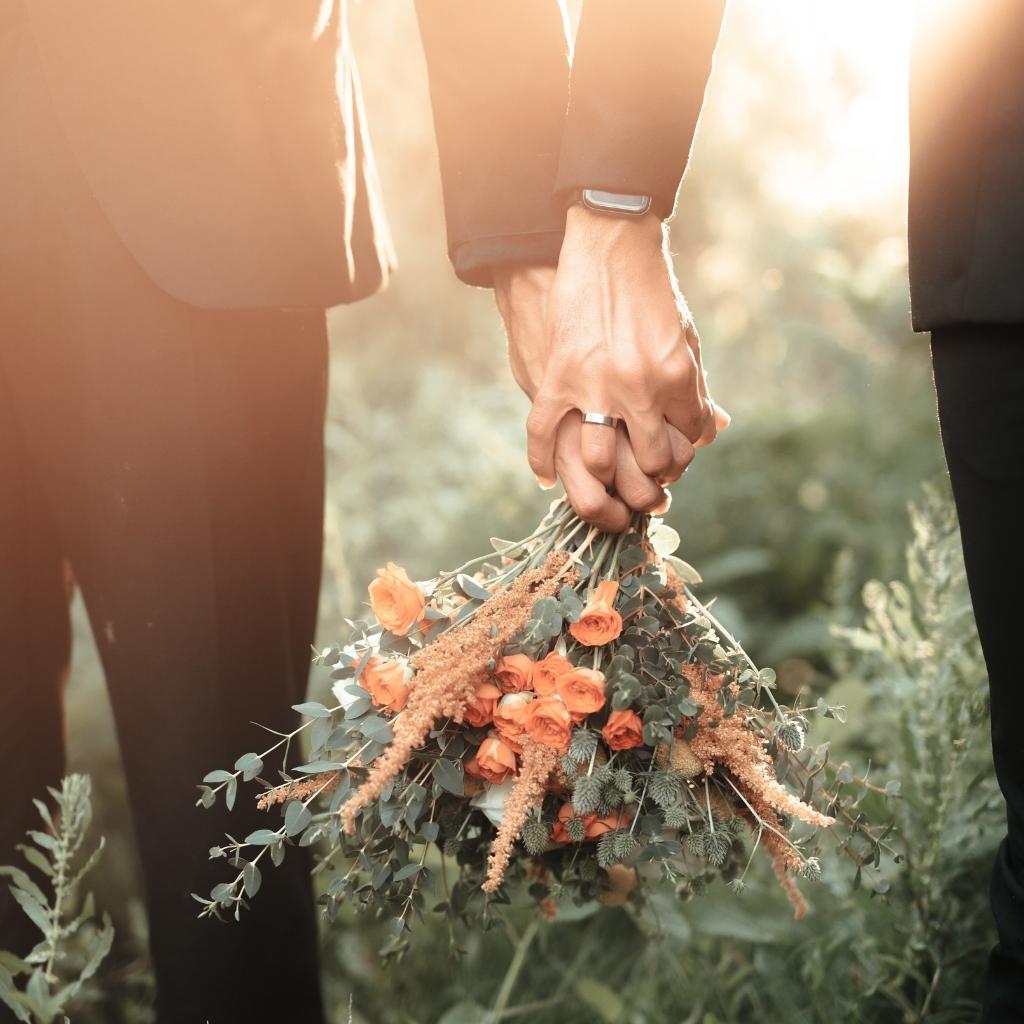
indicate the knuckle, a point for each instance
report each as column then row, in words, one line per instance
column 655, row 463
column 588, row 507
column 677, row 368
column 641, row 498
column 535, row 421
column 632, row 376
column 653, row 446
column 598, row 458
column 537, row 464
column 693, row 427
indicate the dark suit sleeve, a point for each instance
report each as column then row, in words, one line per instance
column 499, row 78
column 638, row 77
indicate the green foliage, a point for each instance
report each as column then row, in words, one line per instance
column 72, row 947
column 919, row 653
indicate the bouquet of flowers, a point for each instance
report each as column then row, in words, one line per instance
column 563, row 713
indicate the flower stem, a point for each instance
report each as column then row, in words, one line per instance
column 512, row 974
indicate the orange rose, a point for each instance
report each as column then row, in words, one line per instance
column 510, row 716
column 481, row 711
column 558, row 830
column 547, row 670
column 548, row 721
column 599, row 622
column 494, row 760
column 396, row 601
column 582, row 689
column 594, row 825
column 386, row 683
column 514, row 673
column 623, row 730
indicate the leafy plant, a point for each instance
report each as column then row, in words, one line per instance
column 72, row 947
column 918, row 649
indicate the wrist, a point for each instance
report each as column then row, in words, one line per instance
column 516, row 281
column 511, row 275
column 588, row 230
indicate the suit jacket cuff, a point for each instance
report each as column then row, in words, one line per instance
column 475, row 260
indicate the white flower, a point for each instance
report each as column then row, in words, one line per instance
column 492, row 800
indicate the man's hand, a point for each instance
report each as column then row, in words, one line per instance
column 619, row 340
column 522, row 294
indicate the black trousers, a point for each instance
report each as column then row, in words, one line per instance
column 173, row 458
column 979, row 381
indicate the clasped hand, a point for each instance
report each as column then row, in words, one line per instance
column 608, row 332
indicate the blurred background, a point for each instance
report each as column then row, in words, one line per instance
column 789, row 242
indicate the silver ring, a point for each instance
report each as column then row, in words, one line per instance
column 600, row 419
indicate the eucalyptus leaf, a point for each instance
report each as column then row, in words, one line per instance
column 252, row 879
column 376, row 728
column 296, row 817
column 262, row 837
column 449, row 776
column 311, row 709
column 250, row 765
column 684, row 570
column 469, row 587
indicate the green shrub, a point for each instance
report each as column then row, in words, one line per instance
column 72, row 947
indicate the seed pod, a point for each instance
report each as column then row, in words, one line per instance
column 586, row 796
column 679, row 757
column 566, row 781
column 534, row 836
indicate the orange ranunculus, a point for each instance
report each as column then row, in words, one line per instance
column 623, row 730
column 547, row 670
column 386, row 682
column 599, row 622
column 396, row 601
column 510, row 717
column 514, row 673
column 548, row 721
column 582, row 689
column 481, row 711
column 494, row 760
